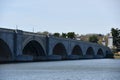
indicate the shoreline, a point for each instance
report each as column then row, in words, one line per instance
column 116, row 57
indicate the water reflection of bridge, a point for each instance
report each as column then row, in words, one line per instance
column 17, row 45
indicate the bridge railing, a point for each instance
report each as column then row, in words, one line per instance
column 6, row 30
column 33, row 34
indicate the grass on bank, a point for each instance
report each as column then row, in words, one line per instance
column 117, row 55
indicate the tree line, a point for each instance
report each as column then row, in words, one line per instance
column 70, row 35
column 93, row 38
column 116, row 37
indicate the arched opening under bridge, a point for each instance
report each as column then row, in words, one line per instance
column 33, row 48
column 100, row 53
column 77, row 51
column 59, row 49
column 5, row 52
column 90, row 52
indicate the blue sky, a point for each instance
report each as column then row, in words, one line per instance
column 79, row 16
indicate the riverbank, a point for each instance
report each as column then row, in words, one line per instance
column 116, row 57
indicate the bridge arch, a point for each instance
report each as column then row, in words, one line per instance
column 106, row 51
column 5, row 52
column 59, row 49
column 90, row 52
column 33, row 48
column 77, row 50
column 100, row 52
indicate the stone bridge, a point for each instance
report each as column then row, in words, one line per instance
column 18, row 45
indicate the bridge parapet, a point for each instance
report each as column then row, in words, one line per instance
column 33, row 34
column 7, row 30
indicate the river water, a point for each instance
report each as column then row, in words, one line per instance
column 94, row 69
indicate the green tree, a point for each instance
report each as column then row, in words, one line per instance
column 93, row 39
column 116, row 36
column 56, row 34
column 64, row 35
column 71, row 35
column 45, row 32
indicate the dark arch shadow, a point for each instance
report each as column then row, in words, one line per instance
column 77, row 50
column 100, row 52
column 59, row 49
column 5, row 52
column 109, row 54
column 106, row 52
column 33, row 48
column 90, row 52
